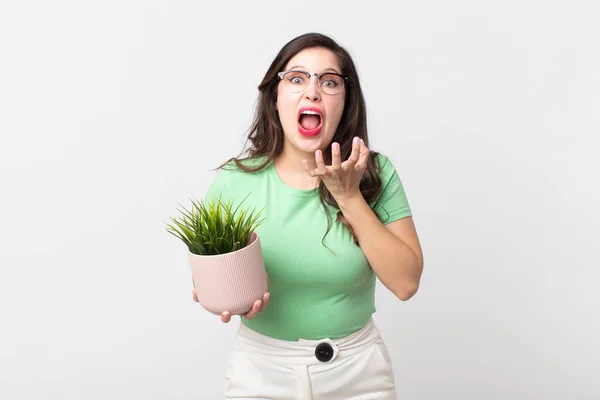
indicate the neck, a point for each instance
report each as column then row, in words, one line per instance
column 291, row 171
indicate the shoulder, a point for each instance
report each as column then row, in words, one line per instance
column 391, row 203
column 384, row 167
column 233, row 180
column 382, row 160
column 243, row 169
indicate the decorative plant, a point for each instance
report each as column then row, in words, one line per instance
column 215, row 227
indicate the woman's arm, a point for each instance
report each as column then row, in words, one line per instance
column 393, row 250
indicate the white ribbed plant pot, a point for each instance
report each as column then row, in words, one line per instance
column 232, row 281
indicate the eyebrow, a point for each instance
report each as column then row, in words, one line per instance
column 303, row 67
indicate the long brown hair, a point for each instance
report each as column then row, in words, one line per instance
column 266, row 133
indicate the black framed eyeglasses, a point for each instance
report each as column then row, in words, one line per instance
column 296, row 81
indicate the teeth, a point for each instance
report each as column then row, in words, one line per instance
column 310, row 112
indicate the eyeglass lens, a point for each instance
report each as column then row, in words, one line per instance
column 297, row 81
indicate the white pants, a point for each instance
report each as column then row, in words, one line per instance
column 356, row 367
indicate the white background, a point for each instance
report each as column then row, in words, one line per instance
column 113, row 112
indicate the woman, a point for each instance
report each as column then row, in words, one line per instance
column 336, row 217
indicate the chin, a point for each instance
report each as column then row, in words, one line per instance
column 308, row 144
column 313, row 144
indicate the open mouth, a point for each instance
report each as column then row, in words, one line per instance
column 310, row 121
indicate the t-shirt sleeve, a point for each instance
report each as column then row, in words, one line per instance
column 230, row 184
column 392, row 203
column 219, row 187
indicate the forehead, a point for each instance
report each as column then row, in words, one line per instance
column 315, row 59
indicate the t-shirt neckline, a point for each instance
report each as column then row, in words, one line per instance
column 283, row 186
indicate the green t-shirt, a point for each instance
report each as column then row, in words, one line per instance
column 316, row 292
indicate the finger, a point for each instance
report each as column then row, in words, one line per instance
column 320, row 163
column 336, row 161
column 255, row 308
column 265, row 301
column 226, row 317
column 195, row 295
column 354, row 155
column 363, row 157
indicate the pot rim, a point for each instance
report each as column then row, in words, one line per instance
column 254, row 240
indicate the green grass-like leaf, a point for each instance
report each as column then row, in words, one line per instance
column 215, row 227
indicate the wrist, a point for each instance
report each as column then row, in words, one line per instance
column 350, row 201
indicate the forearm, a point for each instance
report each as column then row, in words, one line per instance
column 394, row 262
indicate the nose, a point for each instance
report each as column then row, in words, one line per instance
column 312, row 92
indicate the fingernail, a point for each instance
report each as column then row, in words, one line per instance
column 267, row 297
column 259, row 304
column 356, row 139
column 318, row 153
column 336, row 146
